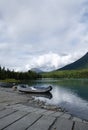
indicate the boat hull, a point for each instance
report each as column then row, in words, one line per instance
column 28, row 89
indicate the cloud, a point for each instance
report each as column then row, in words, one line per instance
column 39, row 31
column 51, row 61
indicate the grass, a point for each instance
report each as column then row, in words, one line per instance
column 10, row 80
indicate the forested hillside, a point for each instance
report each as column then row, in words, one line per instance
column 8, row 74
column 81, row 63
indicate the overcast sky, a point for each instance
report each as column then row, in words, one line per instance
column 46, row 34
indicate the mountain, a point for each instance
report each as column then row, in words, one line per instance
column 36, row 70
column 82, row 63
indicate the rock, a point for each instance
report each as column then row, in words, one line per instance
column 14, row 88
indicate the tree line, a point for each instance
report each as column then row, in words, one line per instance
column 82, row 73
column 31, row 75
column 11, row 74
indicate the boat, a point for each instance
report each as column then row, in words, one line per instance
column 32, row 89
column 7, row 85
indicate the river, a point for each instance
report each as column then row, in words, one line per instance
column 70, row 94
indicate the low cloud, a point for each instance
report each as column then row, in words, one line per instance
column 51, row 61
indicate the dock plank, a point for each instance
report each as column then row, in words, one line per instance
column 21, row 117
column 77, row 119
column 57, row 114
column 4, row 122
column 23, row 108
column 40, row 111
column 43, row 123
column 48, row 112
column 27, row 109
column 62, row 124
column 1, row 108
column 6, row 112
column 65, row 115
column 24, row 122
column 80, row 126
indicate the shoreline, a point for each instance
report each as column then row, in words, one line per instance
column 10, row 97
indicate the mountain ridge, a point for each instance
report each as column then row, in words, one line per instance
column 81, row 63
column 36, row 70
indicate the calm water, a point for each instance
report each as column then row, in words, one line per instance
column 69, row 94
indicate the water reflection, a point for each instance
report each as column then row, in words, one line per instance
column 68, row 99
column 47, row 95
column 8, row 85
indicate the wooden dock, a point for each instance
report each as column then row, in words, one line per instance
column 21, row 117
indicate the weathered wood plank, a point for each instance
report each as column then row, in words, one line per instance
column 57, row 114
column 40, row 111
column 27, row 109
column 4, row 122
column 1, row 108
column 48, row 112
column 24, row 122
column 62, row 124
column 65, row 115
column 6, row 112
column 17, row 106
column 43, row 123
column 77, row 119
column 23, row 108
column 14, row 105
column 80, row 126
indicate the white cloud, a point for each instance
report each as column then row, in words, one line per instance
column 30, row 29
column 51, row 61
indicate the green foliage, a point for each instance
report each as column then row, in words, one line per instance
column 10, row 80
column 7, row 74
column 66, row 74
